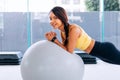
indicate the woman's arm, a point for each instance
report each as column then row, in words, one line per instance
column 72, row 39
column 60, row 44
column 49, row 36
column 74, row 34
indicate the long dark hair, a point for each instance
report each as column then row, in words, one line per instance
column 62, row 15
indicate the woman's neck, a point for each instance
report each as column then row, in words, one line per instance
column 61, row 28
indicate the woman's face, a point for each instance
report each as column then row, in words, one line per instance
column 55, row 21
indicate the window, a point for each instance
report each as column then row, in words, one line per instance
column 26, row 22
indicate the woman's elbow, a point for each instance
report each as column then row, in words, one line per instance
column 70, row 51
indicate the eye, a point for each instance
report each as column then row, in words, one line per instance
column 55, row 17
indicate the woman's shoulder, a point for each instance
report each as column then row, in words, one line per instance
column 75, row 26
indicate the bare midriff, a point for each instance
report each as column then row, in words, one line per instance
column 90, row 47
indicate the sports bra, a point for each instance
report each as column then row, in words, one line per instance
column 83, row 41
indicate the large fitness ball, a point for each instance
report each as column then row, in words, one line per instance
column 45, row 60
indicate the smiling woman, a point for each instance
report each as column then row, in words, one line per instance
column 73, row 36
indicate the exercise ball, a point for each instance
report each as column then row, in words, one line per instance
column 44, row 60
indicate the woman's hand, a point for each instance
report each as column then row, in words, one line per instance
column 49, row 35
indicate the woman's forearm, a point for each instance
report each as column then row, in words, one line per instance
column 60, row 44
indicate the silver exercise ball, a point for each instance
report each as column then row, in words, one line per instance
column 45, row 60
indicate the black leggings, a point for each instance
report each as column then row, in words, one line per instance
column 107, row 52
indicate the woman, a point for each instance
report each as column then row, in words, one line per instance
column 73, row 36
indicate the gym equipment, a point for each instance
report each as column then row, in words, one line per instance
column 44, row 60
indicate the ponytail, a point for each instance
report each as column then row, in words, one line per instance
column 66, row 28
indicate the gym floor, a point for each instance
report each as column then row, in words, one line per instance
column 99, row 71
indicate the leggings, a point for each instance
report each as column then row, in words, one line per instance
column 107, row 52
